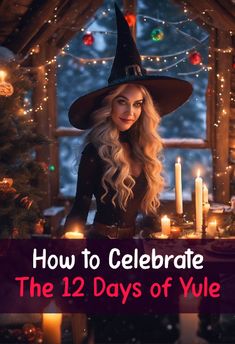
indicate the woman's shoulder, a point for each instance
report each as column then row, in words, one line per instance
column 90, row 150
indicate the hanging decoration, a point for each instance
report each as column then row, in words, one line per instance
column 130, row 18
column 24, row 201
column 29, row 331
column 39, row 227
column 6, row 89
column 6, row 189
column 88, row 39
column 195, row 58
column 157, row 34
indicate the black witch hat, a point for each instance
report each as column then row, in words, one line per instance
column 168, row 93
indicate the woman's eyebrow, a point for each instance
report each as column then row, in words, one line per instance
column 121, row 96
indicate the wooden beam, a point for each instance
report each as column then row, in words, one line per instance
column 211, row 90
column 168, row 143
column 219, row 14
column 212, row 13
column 228, row 5
column 221, row 176
column 186, row 143
column 41, row 119
column 47, row 31
column 54, row 179
column 31, row 23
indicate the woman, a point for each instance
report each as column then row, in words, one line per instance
column 120, row 165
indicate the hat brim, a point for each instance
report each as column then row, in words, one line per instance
column 168, row 94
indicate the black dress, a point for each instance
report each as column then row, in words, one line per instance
column 116, row 328
column 90, row 173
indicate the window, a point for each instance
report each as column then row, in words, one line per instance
column 84, row 68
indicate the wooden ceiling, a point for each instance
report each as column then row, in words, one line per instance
column 215, row 13
column 24, row 24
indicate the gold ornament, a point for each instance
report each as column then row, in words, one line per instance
column 6, row 189
column 6, row 182
column 6, row 89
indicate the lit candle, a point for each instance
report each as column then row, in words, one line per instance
column 212, row 228
column 178, row 188
column 73, row 235
column 198, row 201
column 3, row 75
column 166, row 225
column 51, row 324
column 206, row 208
column 205, row 194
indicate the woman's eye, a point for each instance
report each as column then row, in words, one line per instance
column 138, row 105
column 121, row 101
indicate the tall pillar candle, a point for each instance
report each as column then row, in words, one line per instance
column 198, row 202
column 51, row 324
column 178, row 188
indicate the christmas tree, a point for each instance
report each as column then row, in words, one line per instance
column 19, row 172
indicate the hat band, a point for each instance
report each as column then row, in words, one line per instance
column 133, row 70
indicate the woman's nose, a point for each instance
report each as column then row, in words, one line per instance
column 130, row 109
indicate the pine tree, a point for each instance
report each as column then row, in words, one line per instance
column 19, row 172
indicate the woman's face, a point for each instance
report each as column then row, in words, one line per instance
column 127, row 107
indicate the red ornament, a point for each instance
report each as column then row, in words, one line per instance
column 88, row 39
column 130, row 18
column 233, row 65
column 195, row 58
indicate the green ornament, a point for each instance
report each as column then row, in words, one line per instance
column 52, row 168
column 157, row 35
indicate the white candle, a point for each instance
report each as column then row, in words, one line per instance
column 205, row 194
column 178, row 188
column 198, row 201
column 206, row 208
column 51, row 324
column 212, row 228
column 73, row 235
column 166, row 225
column 188, row 323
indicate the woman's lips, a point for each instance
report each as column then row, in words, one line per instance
column 126, row 120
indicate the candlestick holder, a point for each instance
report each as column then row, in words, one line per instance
column 206, row 207
column 204, row 234
column 182, row 220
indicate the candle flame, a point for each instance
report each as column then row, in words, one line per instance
column 178, row 160
column 51, row 308
column 165, row 217
column 198, row 173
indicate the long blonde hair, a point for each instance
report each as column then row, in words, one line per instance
column 145, row 144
